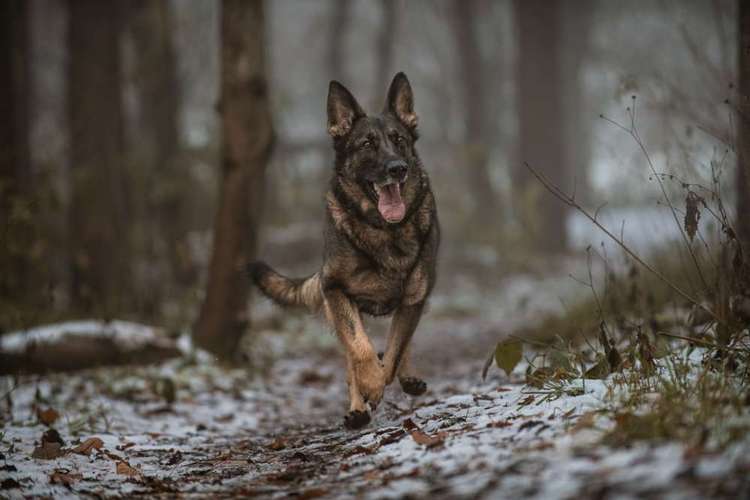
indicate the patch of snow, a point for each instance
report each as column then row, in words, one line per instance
column 124, row 333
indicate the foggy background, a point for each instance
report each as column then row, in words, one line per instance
column 496, row 84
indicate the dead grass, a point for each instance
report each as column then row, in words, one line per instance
column 625, row 298
column 705, row 409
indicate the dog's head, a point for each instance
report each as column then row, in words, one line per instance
column 376, row 152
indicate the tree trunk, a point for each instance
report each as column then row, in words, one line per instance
column 14, row 97
column 15, row 155
column 578, row 17
column 486, row 206
column 151, row 27
column 386, row 42
column 98, row 210
column 743, row 143
column 540, row 123
column 156, row 137
column 340, row 20
column 247, row 142
column 341, row 14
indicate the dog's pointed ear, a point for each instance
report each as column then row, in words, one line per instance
column 400, row 101
column 343, row 110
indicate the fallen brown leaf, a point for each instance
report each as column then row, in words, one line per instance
column 175, row 458
column 48, row 416
column 392, row 437
column 543, row 445
column 112, row 456
column 362, row 450
column 64, row 477
column 124, row 469
column 313, row 493
column 311, row 377
column 409, row 424
column 48, row 451
column 52, row 436
column 277, row 444
column 421, row 437
column 371, row 475
column 527, row 400
column 500, row 424
column 427, row 440
column 584, row 421
column 88, row 446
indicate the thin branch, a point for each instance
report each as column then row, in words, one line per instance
column 634, row 134
column 699, row 341
column 560, row 195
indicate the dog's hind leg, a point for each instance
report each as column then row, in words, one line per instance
column 364, row 371
column 395, row 360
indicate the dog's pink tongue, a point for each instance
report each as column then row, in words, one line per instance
column 390, row 204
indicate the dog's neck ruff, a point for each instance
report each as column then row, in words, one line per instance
column 395, row 247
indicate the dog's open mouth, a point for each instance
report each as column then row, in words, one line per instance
column 390, row 204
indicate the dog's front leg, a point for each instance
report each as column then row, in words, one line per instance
column 364, row 372
column 407, row 375
column 395, row 361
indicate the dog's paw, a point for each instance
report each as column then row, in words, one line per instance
column 370, row 380
column 356, row 419
column 413, row 386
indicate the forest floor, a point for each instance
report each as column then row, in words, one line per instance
column 192, row 428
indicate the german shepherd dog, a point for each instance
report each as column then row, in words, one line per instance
column 381, row 243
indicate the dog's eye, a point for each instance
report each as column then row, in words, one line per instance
column 400, row 141
column 366, row 145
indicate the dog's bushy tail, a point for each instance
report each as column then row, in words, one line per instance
column 304, row 292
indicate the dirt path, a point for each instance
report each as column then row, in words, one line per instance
column 190, row 428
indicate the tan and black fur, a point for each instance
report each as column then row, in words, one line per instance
column 371, row 265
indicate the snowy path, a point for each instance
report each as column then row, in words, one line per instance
column 461, row 440
column 190, row 428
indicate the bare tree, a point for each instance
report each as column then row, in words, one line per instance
column 98, row 207
column 386, row 42
column 14, row 100
column 743, row 141
column 151, row 27
column 486, row 206
column 540, row 122
column 247, row 142
column 578, row 22
column 340, row 20
column 156, row 137
column 15, row 165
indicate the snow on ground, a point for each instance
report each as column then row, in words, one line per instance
column 193, row 428
column 229, row 436
column 124, row 333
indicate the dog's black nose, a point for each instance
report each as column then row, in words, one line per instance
column 396, row 169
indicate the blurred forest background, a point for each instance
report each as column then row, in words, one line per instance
column 135, row 136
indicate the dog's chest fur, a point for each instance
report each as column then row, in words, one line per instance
column 378, row 267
